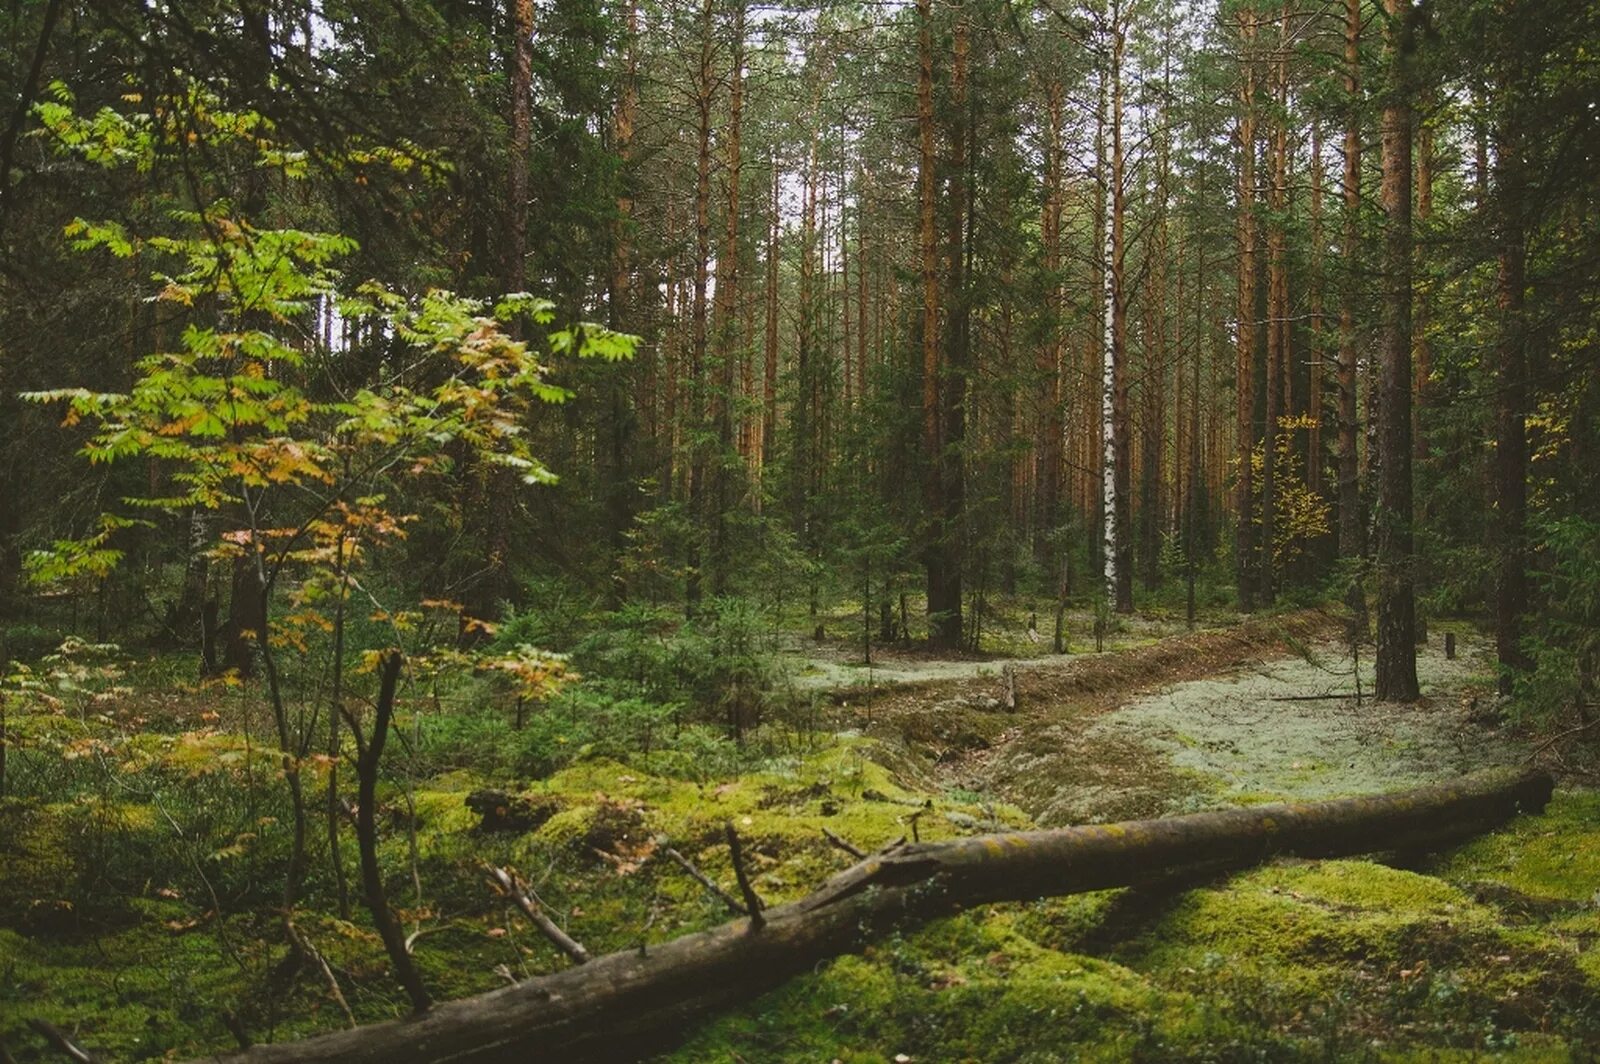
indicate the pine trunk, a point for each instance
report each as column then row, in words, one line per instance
column 1397, row 651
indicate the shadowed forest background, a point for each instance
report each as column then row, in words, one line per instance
column 448, row 434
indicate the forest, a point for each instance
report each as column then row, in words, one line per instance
column 812, row 530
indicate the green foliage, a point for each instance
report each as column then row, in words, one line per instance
column 1564, row 640
column 716, row 667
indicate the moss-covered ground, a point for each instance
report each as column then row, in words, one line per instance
column 141, row 914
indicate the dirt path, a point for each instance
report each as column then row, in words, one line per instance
column 837, row 666
column 1213, row 718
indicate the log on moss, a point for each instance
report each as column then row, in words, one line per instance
column 631, row 1002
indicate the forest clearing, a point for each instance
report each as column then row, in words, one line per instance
column 854, row 532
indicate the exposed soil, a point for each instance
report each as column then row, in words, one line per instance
column 1264, row 710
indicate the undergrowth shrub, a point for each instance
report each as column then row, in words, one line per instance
column 1563, row 640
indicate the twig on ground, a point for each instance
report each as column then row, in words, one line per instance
column 303, row 946
column 752, row 900
column 853, row 851
column 508, row 886
column 1556, row 738
column 705, row 881
column 58, row 1038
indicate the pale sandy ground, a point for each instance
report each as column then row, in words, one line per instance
column 1231, row 740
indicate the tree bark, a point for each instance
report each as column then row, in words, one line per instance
column 944, row 595
column 769, row 369
column 1314, row 464
column 368, row 762
column 1279, row 371
column 521, row 142
column 1047, row 457
column 698, row 497
column 1245, row 328
column 1509, row 531
column 1121, row 475
column 630, row 1003
column 1421, row 350
column 726, row 310
column 1397, row 651
column 1352, row 538
column 944, row 615
column 622, row 419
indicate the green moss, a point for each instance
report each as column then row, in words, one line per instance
column 1553, row 855
column 1531, row 1049
column 1297, row 960
column 132, row 996
column 35, row 862
column 972, row 988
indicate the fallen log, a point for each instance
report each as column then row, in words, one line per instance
column 634, row 1001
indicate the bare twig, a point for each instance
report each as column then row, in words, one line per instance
column 853, row 851
column 916, row 835
column 58, row 1038
column 704, row 880
column 303, row 945
column 507, row 885
column 1559, row 736
column 891, row 847
column 752, row 900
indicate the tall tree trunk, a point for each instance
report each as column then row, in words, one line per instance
column 698, row 497
column 1090, row 397
column 1115, row 476
column 494, row 584
column 1048, row 369
column 1152, row 386
column 521, row 144
column 1352, row 528
column 727, row 305
column 932, row 368
column 847, row 369
column 803, row 427
column 769, row 377
column 1122, row 415
column 1509, row 531
column 1421, row 351
column 1194, row 507
column 1279, row 371
column 1397, row 651
column 861, row 285
column 945, row 621
column 1314, row 465
column 622, row 420
column 1245, row 331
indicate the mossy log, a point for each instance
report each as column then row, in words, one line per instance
column 628, row 1003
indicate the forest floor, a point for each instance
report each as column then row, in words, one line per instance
column 1263, row 711
column 1491, row 950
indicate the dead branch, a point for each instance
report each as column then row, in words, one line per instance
column 752, row 901
column 632, row 1002
column 508, row 886
column 843, row 845
column 728, row 900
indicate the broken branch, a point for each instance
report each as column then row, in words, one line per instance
column 705, row 881
column 752, row 901
column 853, row 851
column 508, row 885
column 629, row 1004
